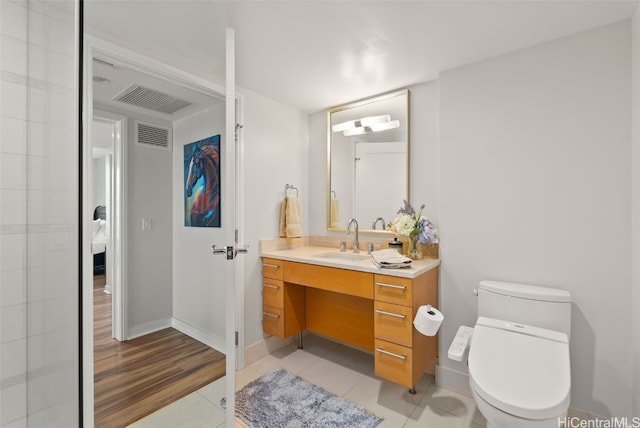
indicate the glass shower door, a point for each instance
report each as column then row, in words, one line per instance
column 39, row 218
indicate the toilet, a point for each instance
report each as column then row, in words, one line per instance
column 519, row 369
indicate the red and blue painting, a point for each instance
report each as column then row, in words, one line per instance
column 202, row 183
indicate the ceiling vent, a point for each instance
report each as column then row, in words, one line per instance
column 151, row 99
column 152, row 135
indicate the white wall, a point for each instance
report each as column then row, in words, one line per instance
column 102, row 146
column 149, row 253
column 198, row 278
column 535, row 185
column 317, row 163
column 635, row 210
column 39, row 381
column 424, row 177
column 99, row 193
column 275, row 139
column 276, row 147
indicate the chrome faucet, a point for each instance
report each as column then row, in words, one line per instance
column 356, row 242
column 376, row 221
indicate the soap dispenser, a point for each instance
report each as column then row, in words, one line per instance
column 395, row 244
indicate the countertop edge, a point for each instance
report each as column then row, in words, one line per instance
column 306, row 254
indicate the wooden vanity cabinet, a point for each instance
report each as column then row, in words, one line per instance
column 283, row 304
column 369, row 310
column 402, row 354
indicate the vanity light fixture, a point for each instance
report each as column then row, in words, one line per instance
column 359, row 123
column 366, row 124
column 392, row 124
column 356, row 131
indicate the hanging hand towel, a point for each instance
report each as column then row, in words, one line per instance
column 293, row 228
column 290, row 226
column 283, row 218
column 335, row 213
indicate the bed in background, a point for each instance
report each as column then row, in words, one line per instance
column 99, row 242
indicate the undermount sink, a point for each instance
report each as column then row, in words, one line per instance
column 351, row 257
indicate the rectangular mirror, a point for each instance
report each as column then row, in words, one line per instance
column 368, row 161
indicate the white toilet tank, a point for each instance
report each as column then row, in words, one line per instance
column 543, row 307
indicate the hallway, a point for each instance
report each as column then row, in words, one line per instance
column 137, row 377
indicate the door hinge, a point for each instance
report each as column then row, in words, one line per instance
column 238, row 128
column 236, row 338
column 236, row 236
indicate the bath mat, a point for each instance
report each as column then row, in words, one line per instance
column 281, row 399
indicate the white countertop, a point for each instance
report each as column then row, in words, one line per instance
column 332, row 257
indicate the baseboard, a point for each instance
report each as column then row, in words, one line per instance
column 211, row 340
column 584, row 416
column 453, row 380
column 148, row 328
column 264, row 347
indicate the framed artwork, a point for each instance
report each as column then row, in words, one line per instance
column 202, row 183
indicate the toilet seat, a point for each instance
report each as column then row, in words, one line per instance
column 519, row 369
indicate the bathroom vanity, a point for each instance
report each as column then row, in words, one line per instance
column 346, row 297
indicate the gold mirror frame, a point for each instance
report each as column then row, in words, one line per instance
column 368, row 105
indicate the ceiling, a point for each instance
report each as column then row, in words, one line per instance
column 312, row 55
column 112, row 80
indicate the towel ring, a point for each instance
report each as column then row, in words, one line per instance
column 290, row 186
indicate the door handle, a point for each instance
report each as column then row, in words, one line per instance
column 215, row 250
column 230, row 251
column 243, row 250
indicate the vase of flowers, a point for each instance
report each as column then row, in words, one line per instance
column 416, row 227
column 414, row 252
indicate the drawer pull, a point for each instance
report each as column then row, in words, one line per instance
column 269, row 314
column 399, row 287
column 382, row 351
column 269, row 265
column 275, row 287
column 391, row 314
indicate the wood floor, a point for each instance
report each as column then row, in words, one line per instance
column 138, row 377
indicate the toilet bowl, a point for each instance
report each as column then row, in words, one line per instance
column 519, row 374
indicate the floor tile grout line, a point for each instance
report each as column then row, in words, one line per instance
column 312, row 362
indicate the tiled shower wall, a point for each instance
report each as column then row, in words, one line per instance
column 39, row 320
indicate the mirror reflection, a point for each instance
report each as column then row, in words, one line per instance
column 368, row 161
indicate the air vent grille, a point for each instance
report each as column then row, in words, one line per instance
column 153, row 135
column 151, row 99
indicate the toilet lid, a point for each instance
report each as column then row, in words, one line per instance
column 520, row 369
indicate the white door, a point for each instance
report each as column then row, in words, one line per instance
column 226, row 254
column 230, row 224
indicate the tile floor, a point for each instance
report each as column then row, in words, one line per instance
column 341, row 370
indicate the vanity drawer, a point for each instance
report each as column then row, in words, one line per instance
column 273, row 292
column 287, row 316
column 393, row 289
column 272, row 268
column 393, row 323
column 344, row 281
column 394, row 362
column 273, row 321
